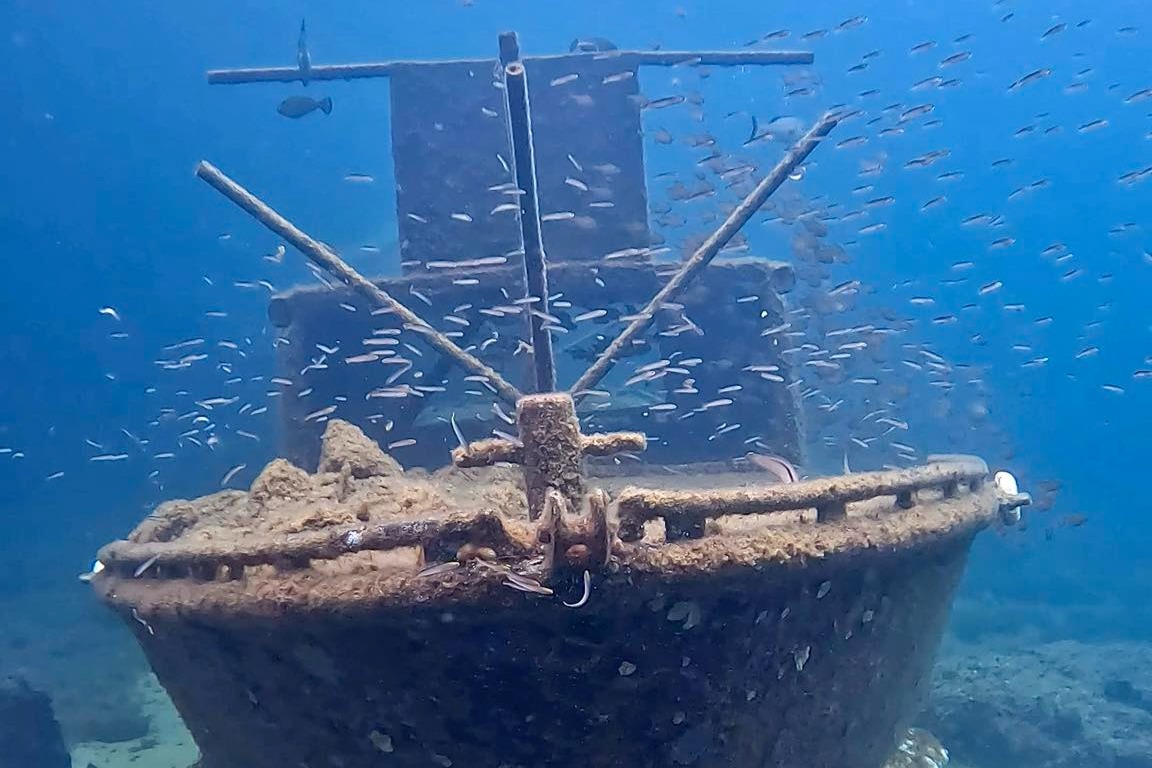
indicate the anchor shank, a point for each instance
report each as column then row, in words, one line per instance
column 553, row 452
column 325, row 257
column 524, row 162
column 707, row 251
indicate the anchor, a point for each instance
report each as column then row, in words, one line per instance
column 551, row 451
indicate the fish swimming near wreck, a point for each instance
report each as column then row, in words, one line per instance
column 299, row 106
column 779, row 467
column 591, row 45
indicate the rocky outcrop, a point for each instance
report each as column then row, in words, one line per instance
column 1059, row 705
column 281, row 481
column 29, row 734
column 347, row 449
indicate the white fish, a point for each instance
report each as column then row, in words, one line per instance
column 111, row 312
column 144, row 566
column 525, row 584
column 109, row 457
column 459, row 434
column 213, row 402
column 328, row 411
column 437, row 569
column 232, row 473
column 590, row 315
column 587, row 592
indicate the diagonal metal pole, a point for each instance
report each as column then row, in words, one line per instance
column 325, row 257
column 707, row 251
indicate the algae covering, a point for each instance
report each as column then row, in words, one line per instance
column 364, row 616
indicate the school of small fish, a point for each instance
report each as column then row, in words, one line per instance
column 899, row 240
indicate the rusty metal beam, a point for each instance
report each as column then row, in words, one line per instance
column 531, row 236
column 626, row 58
column 707, row 251
column 325, row 257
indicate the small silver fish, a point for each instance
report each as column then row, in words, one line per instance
column 232, row 473
column 525, row 584
column 144, row 566
column 438, row 569
column 459, row 435
column 591, row 45
column 587, row 593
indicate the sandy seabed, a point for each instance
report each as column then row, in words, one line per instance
column 167, row 744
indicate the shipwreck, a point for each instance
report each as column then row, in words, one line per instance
column 568, row 591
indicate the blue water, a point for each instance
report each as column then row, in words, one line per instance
column 107, row 111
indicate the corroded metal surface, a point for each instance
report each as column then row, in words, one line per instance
column 451, row 148
column 551, row 449
column 639, row 505
column 809, row 666
column 365, row 613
